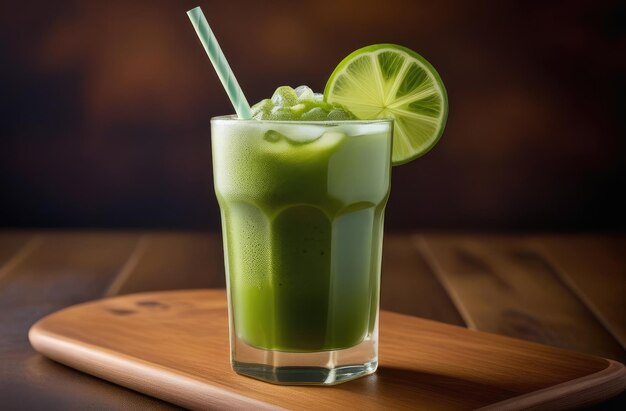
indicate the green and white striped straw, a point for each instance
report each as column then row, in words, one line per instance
column 220, row 63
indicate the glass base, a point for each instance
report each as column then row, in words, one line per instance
column 313, row 368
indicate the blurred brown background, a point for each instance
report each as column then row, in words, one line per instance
column 105, row 107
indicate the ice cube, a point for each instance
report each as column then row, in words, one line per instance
column 304, row 93
column 278, row 147
column 298, row 109
column 273, row 136
column 302, row 138
column 338, row 115
column 315, row 114
column 329, row 140
column 296, row 134
column 261, row 109
column 285, row 96
column 318, row 97
column 280, row 113
column 309, row 104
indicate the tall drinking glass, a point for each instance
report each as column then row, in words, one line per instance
column 302, row 206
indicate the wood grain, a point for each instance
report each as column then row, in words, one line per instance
column 595, row 269
column 502, row 284
column 174, row 345
column 59, row 269
column 165, row 261
column 409, row 285
column 13, row 247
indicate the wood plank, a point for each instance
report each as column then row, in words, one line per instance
column 409, row 285
column 423, row 364
column 64, row 269
column 13, row 247
column 595, row 269
column 166, row 261
column 504, row 285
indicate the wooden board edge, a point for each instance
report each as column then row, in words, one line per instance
column 181, row 389
column 584, row 391
column 176, row 388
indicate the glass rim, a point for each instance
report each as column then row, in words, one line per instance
column 232, row 118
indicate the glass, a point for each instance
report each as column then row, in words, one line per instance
column 302, row 206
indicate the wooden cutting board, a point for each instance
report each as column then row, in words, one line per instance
column 174, row 346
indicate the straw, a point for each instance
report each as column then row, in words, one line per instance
column 218, row 59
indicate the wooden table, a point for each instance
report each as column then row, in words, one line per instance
column 562, row 290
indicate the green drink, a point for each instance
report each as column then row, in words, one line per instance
column 302, row 180
column 302, row 208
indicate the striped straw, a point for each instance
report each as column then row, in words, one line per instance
column 218, row 59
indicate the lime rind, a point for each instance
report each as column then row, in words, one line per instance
column 392, row 81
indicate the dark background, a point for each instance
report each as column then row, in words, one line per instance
column 105, row 107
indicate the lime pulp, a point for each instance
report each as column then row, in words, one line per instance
column 391, row 81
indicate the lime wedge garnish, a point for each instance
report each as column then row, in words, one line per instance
column 391, row 81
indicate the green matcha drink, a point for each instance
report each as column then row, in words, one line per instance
column 302, row 212
column 302, row 181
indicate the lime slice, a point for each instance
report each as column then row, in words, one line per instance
column 391, row 81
